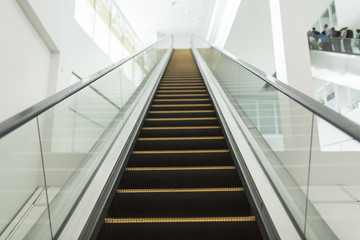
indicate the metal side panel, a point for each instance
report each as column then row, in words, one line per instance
column 276, row 220
column 84, row 218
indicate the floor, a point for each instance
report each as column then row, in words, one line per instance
column 30, row 214
column 339, row 206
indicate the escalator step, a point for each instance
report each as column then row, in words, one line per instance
column 162, row 122
column 179, row 229
column 189, row 131
column 211, row 158
column 178, row 177
column 180, row 143
column 203, row 202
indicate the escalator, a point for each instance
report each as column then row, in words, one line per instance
column 181, row 181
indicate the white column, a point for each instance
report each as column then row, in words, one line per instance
column 292, row 58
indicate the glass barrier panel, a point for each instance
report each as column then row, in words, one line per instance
column 334, row 183
column 278, row 129
column 47, row 163
column 23, row 208
column 74, row 135
column 334, row 44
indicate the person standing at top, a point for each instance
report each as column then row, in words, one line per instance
column 346, row 37
column 327, row 30
column 357, row 43
column 335, row 40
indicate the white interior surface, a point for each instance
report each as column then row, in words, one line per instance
column 341, row 69
column 347, row 13
column 21, row 48
column 30, row 214
column 30, row 70
column 339, row 206
column 165, row 17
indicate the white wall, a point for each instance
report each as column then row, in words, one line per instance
column 24, row 62
column 314, row 9
column 30, row 70
column 182, row 41
column 78, row 52
column 250, row 37
column 348, row 13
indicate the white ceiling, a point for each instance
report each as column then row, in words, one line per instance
column 178, row 17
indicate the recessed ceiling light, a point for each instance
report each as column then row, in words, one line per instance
column 174, row 3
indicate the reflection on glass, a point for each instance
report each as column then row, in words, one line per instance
column 47, row 163
column 334, row 184
column 23, row 209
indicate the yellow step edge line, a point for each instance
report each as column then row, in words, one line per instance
column 183, row 128
column 182, row 151
column 179, row 190
column 182, row 81
column 180, row 138
column 182, row 105
column 182, row 95
column 181, row 84
column 180, row 220
column 184, row 87
column 183, row 99
column 174, row 91
column 184, row 111
column 180, row 168
column 181, row 119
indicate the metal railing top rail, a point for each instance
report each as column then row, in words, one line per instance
column 21, row 118
column 346, row 125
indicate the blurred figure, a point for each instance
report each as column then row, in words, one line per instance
column 346, row 35
column 335, row 40
column 327, row 30
column 315, row 32
column 312, row 41
column 357, row 41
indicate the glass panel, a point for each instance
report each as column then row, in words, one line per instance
column 77, row 133
column 75, row 136
column 334, row 184
column 23, row 205
column 280, row 128
column 69, row 141
column 293, row 147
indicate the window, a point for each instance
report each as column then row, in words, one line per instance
column 103, row 21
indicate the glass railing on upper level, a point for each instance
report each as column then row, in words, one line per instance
column 310, row 153
column 335, row 44
column 50, row 152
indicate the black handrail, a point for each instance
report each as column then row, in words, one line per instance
column 346, row 125
column 23, row 117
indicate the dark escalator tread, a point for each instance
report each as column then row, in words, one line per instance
column 180, row 179
column 183, row 230
column 177, row 114
column 163, row 122
column 190, row 131
column 181, row 159
column 181, row 143
column 205, row 202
